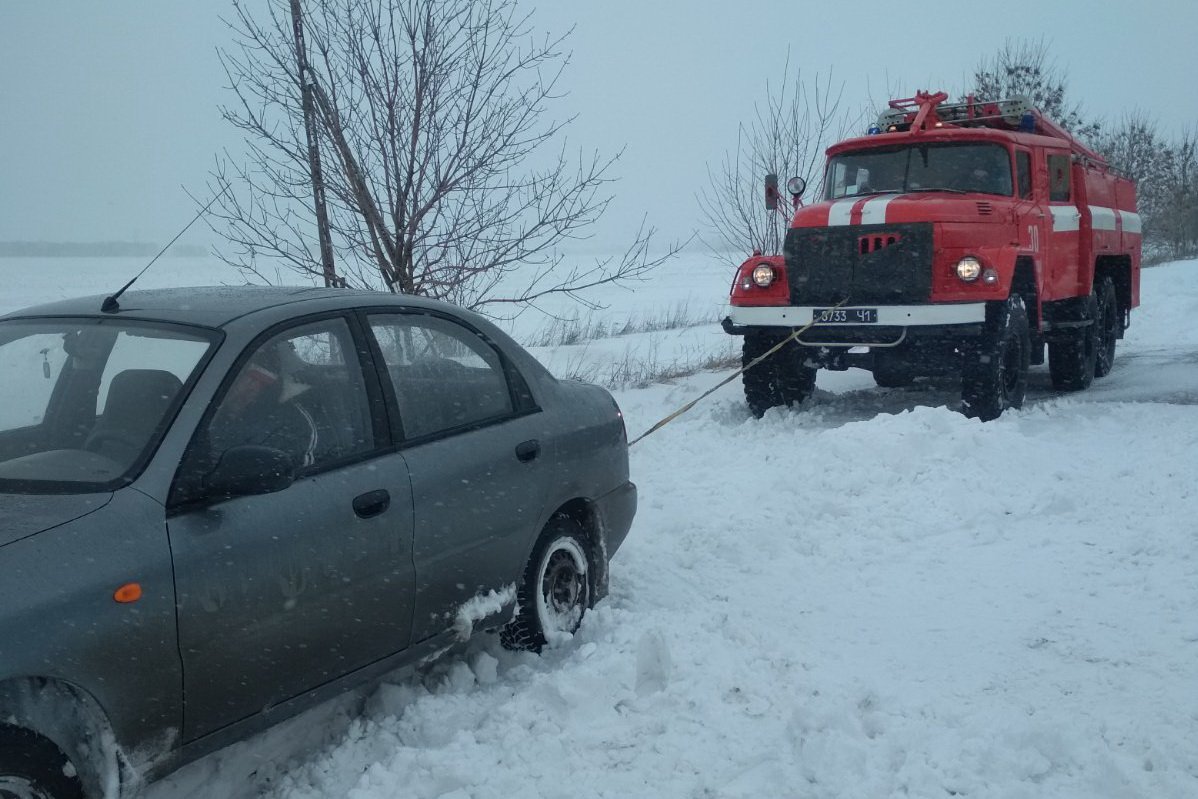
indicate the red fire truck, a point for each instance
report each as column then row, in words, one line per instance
column 954, row 239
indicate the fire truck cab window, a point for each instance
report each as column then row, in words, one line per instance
column 1023, row 171
column 1058, row 178
column 981, row 168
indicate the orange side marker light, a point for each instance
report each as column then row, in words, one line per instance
column 129, row 592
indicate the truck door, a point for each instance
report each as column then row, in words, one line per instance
column 1033, row 226
column 1064, row 222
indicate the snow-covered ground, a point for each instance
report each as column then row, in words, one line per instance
column 869, row 597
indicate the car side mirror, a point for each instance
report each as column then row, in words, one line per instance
column 248, row 470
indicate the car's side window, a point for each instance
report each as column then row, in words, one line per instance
column 445, row 375
column 301, row 392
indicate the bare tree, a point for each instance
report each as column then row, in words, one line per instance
column 1175, row 223
column 445, row 173
column 786, row 137
column 1026, row 68
column 1135, row 147
column 1166, row 176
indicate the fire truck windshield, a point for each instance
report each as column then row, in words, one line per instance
column 974, row 167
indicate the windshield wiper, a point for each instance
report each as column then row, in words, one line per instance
column 937, row 188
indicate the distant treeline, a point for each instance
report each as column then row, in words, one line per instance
column 94, row 249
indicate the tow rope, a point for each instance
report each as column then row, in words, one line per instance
column 800, row 331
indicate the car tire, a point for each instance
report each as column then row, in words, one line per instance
column 557, row 587
column 782, row 379
column 1071, row 361
column 995, row 374
column 1107, row 324
column 32, row 767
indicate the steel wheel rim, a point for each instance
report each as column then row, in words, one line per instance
column 16, row 787
column 564, row 589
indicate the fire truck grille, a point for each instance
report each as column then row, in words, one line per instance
column 829, row 264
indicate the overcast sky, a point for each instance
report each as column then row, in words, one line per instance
column 108, row 109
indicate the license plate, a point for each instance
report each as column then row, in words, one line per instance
column 845, row 316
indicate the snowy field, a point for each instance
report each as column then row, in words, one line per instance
column 869, row 597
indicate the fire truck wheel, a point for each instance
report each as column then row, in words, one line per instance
column 1071, row 361
column 1108, row 327
column 995, row 376
column 782, row 379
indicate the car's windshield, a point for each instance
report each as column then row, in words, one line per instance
column 975, row 167
column 84, row 401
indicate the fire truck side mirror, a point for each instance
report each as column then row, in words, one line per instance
column 796, row 186
column 771, row 192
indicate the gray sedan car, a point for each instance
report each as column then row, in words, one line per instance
column 220, row 506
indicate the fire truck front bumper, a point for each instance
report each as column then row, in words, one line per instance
column 881, row 325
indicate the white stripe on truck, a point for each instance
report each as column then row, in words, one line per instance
column 841, row 212
column 1102, row 218
column 874, row 210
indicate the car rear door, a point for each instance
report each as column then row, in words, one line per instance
column 478, row 457
column 280, row 593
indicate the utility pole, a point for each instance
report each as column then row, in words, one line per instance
column 318, row 197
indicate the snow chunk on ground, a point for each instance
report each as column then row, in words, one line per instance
column 480, row 607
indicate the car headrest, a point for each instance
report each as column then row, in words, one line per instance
column 140, row 396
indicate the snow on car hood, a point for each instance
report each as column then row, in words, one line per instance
column 23, row 515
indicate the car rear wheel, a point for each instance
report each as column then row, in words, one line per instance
column 995, row 376
column 32, row 767
column 557, row 588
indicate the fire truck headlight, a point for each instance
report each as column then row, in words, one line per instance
column 763, row 275
column 990, row 277
column 969, row 269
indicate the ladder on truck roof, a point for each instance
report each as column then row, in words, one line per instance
column 928, row 111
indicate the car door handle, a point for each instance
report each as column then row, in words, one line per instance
column 372, row 503
column 528, row 450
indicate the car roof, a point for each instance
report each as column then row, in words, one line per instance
column 217, row 306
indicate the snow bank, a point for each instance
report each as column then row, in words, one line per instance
column 871, row 597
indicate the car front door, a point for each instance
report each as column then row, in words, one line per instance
column 279, row 593
column 475, row 447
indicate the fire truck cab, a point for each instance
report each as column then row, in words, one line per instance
column 953, row 239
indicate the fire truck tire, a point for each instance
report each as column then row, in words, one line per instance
column 995, row 375
column 1072, row 361
column 782, row 379
column 1108, row 327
